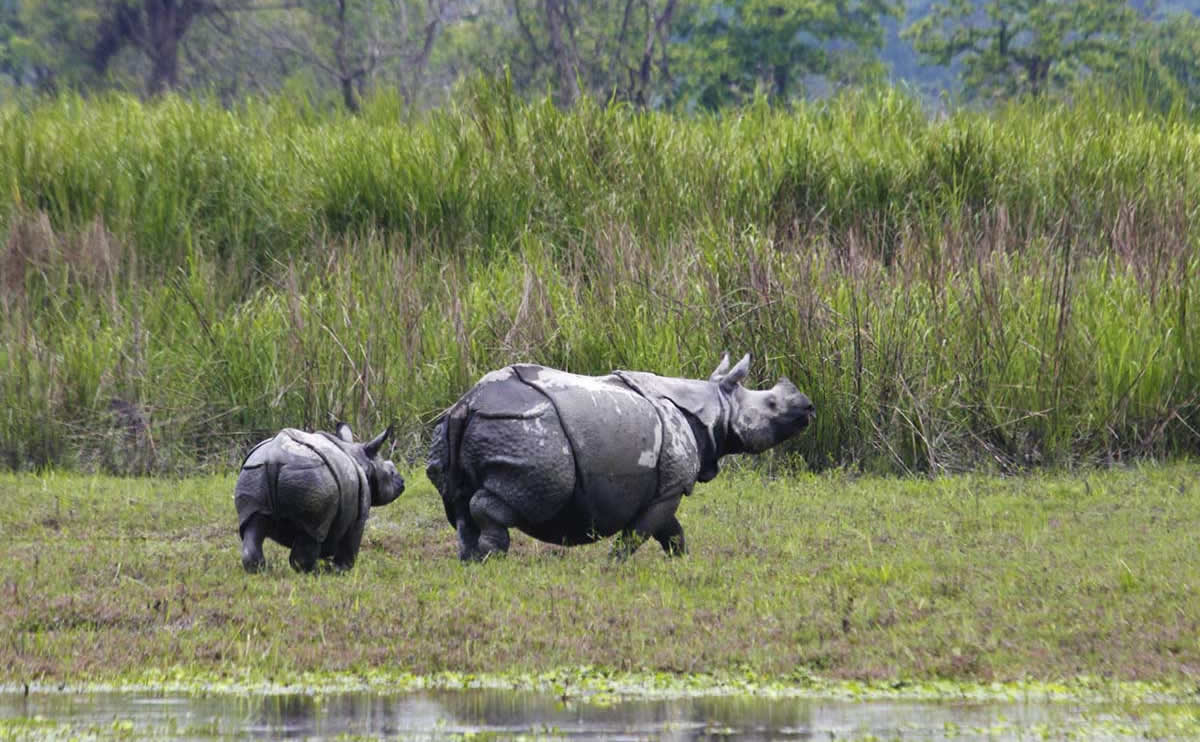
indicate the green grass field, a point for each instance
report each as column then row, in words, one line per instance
column 970, row 578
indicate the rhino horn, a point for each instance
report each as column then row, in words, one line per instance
column 372, row 447
column 343, row 431
column 730, row 380
column 721, row 370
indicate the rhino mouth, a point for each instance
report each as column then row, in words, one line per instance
column 794, row 423
column 798, row 423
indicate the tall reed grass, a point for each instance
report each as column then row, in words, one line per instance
column 1003, row 289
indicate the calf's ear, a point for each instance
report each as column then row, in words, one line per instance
column 371, row 448
column 342, row 430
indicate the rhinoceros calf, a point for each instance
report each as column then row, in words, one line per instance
column 311, row 492
column 571, row 459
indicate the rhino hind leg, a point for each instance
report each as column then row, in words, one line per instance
column 468, row 539
column 305, row 552
column 493, row 517
column 253, row 534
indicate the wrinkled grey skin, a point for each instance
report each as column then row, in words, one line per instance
column 311, row 492
column 572, row 459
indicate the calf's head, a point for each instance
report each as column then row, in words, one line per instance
column 385, row 482
column 760, row 419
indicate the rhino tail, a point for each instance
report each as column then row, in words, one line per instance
column 454, row 428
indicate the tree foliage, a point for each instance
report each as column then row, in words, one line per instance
column 728, row 50
column 702, row 54
column 49, row 44
column 1164, row 68
column 52, row 42
column 1013, row 47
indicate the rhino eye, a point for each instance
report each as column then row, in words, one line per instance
column 772, row 404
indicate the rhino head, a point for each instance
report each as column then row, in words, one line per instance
column 725, row 416
column 385, row 482
column 760, row 419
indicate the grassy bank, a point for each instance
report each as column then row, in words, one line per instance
column 1002, row 290
column 968, row 578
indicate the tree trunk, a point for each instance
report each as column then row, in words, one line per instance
column 655, row 31
column 164, row 65
column 619, row 49
column 349, row 95
column 345, row 68
column 568, row 85
column 113, row 34
column 166, row 23
column 1038, row 70
column 780, row 80
column 418, row 62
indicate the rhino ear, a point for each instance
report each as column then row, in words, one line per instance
column 371, row 448
column 343, row 431
column 736, row 374
column 721, row 370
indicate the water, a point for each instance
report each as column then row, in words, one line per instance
column 504, row 714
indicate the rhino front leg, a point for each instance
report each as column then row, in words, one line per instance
column 659, row 521
column 670, row 537
column 627, row 542
column 305, row 552
column 252, row 540
column 494, row 517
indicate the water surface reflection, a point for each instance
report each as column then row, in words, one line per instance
column 504, row 714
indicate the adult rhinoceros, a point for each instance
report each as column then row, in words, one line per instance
column 311, row 492
column 571, row 459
